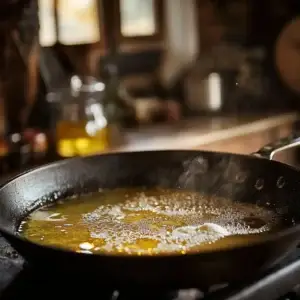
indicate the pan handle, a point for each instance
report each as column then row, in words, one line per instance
column 268, row 151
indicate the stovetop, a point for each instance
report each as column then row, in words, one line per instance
column 19, row 280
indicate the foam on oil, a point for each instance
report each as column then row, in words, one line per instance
column 147, row 222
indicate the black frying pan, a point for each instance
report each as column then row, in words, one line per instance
column 241, row 178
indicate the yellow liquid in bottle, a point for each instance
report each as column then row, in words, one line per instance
column 73, row 139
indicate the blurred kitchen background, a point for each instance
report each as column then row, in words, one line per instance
column 80, row 77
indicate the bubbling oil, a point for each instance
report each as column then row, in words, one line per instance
column 147, row 222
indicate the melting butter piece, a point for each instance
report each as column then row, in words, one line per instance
column 211, row 227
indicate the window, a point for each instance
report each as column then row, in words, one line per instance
column 137, row 18
column 121, row 22
column 140, row 19
column 47, row 34
column 78, row 22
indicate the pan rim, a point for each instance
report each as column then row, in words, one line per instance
column 269, row 238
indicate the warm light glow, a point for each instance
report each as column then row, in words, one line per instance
column 47, row 34
column 78, row 21
column 137, row 17
column 214, row 91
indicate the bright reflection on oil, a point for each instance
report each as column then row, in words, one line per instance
column 147, row 222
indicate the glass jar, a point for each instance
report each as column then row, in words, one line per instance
column 81, row 124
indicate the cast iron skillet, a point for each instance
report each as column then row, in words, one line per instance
column 241, row 178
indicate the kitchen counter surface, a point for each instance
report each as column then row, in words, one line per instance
column 243, row 134
column 201, row 131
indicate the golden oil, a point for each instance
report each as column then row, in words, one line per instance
column 73, row 139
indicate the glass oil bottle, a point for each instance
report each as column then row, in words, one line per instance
column 81, row 125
